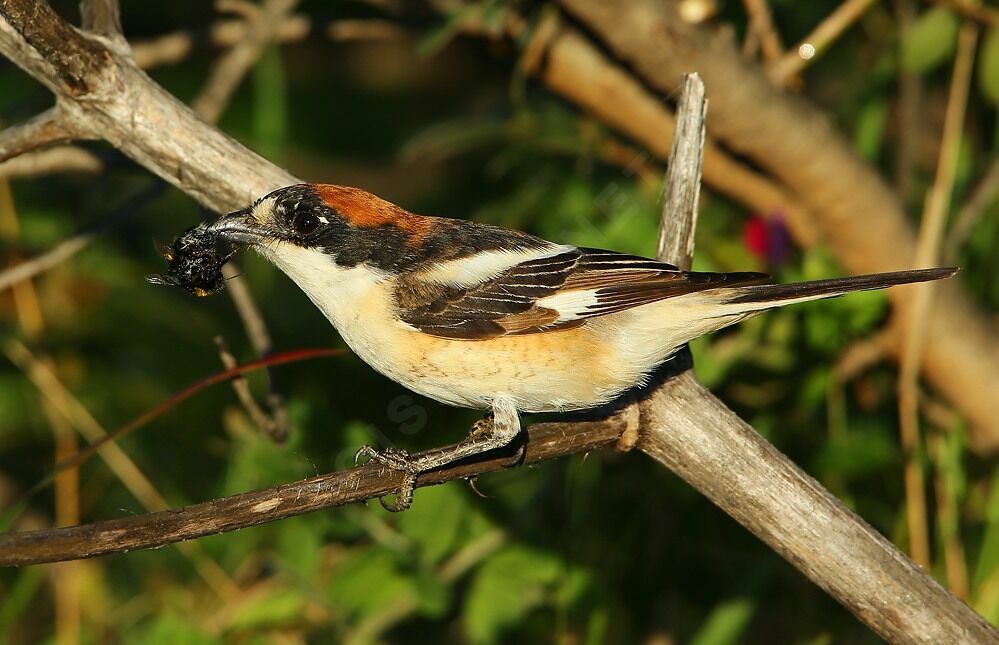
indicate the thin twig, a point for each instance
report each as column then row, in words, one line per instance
column 73, row 411
column 263, row 25
column 57, row 159
column 761, row 24
column 230, row 70
column 71, row 246
column 910, row 98
column 242, row 389
column 51, row 126
column 986, row 15
column 982, row 198
column 370, row 481
column 818, row 41
column 917, row 313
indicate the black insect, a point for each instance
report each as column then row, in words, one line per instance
column 194, row 262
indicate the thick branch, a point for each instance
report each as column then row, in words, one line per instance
column 691, row 432
column 858, row 213
column 152, row 530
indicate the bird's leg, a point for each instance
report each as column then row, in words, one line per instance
column 487, row 434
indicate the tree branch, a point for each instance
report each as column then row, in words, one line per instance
column 51, row 126
column 152, row 530
column 101, row 17
column 860, row 216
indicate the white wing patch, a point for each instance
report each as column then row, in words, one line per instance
column 571, row 305
column 484, row 266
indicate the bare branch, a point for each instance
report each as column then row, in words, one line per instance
column 51, row 126
column 370, row 481
column 706, row 444
column 696, row 436
column 916, row 330
column 761, row 25
column 683, row 178
column 242, row 388
column 69, row 159
column 102, row 17
column 796, row 143
column 230, row 70
column 818, row 41
column 982, row 197
column 982, row 13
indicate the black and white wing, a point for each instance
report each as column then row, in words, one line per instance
column 500, row 293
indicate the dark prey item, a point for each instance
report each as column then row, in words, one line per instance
column 194, row 262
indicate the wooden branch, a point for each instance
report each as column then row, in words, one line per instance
column 683, row 425
column 51, row 126
column 685, row 428
column 683, row 176
column 101, row 17
column 152, row 530
column 859, row 214
column 59, row 158
column 688, row 430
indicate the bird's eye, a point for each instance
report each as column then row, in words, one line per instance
column 305, row 223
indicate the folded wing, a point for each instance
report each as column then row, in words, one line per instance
column 560, row 289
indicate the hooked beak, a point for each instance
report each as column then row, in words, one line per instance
column 239, row 228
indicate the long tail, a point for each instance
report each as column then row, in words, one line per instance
column 766, row 296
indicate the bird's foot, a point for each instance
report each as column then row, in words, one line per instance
column 396, row 459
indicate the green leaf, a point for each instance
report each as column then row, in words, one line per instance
column 282, row 607
column 988, row 559
column 858, row 453
column 171, row 629
column 870, row 129
column 507, row 587
column 988, row 66
column 299, row 543
column 18, row 597
column 270, row 108
column 435, row 522
column 930, row 41
column 367, row 581
column 726, row 623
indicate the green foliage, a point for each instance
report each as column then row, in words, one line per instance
column 988, row 67
column 511, row 584
column 930, row 41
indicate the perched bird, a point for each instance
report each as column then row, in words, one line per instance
column 485, row 317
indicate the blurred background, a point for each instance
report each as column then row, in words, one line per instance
column 434, row 106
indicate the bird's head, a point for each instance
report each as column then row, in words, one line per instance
column 321, row 223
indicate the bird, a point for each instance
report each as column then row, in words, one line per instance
column 485, row 317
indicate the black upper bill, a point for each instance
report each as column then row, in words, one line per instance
column 239, row 228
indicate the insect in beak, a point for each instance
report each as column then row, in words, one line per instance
column 193, row 262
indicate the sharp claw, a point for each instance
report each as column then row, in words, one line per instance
column 396, row 459
column 403, row 498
